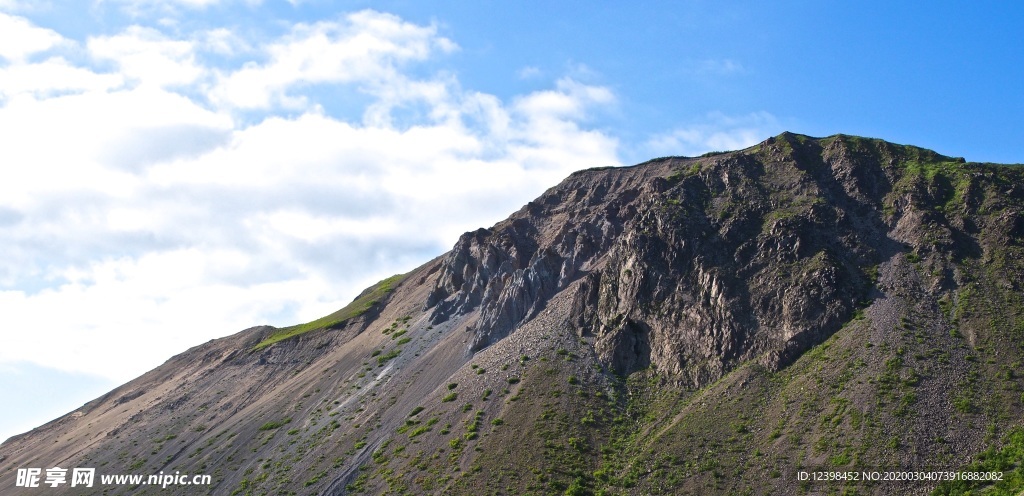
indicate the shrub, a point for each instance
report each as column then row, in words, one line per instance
column 963, row 404
column 275, row 424
column 588, row 419
column 384, row 358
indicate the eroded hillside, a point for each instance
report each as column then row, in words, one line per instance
column 685, row 325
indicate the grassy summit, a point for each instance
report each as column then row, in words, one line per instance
column 364, row 302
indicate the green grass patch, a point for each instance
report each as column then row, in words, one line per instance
column 381, row 360
column 1007, row 460
column 269, row 426
column 409, row 424
column 364, row 302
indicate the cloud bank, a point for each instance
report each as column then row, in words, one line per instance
column 160, row 189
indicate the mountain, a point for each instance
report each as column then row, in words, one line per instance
column 686, row 325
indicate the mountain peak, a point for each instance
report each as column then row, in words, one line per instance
column 805, row 302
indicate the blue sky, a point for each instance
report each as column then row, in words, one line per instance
column 176, row 171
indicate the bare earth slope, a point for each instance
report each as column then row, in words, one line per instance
column 686, row 325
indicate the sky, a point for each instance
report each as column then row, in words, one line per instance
column 176, row 171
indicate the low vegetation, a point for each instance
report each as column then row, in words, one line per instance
column 363, row 303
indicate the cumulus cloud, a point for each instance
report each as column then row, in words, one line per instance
column 223, row 41
column 715, row 132
column 367, row 47
column 19, row 38
column 145, row 209
column 51, row 77
column 145, row 56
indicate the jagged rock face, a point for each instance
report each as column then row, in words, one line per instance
column 509, row 273
column 689, row 266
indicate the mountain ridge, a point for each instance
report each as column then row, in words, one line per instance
column 594, row 326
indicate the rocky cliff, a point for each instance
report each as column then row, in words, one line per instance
column 685, row 325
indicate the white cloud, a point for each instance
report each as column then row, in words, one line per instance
column 103, row 137
column 52, row 77
column 141, row 215
column 19, row 38
column 716, row 132
column 223, row 41
column 120, row 317
column 366, row 47
column 146, row 56
column 569, row 100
